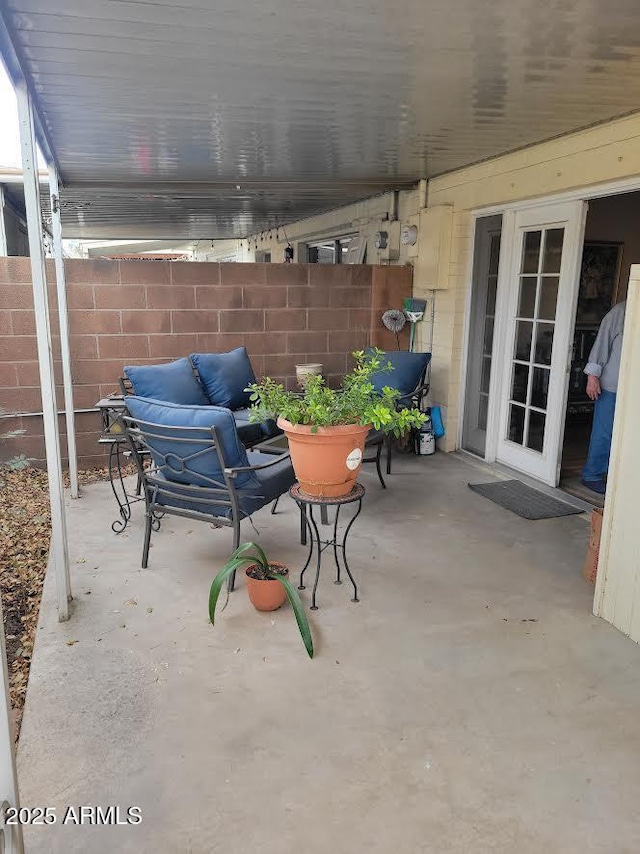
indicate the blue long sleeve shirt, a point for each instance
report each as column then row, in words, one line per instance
column 604, row 358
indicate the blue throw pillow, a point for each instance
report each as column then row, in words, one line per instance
column 225, row 377
column 408, row 368
column 174, row 382
column 205, row 466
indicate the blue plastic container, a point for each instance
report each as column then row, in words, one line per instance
column 436, row 420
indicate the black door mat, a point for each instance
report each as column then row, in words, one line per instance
column 524, row 500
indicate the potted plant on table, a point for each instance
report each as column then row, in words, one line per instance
column 327, row 428
column 268, row 586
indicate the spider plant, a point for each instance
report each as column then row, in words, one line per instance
column 246, row 555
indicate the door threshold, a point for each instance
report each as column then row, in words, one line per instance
column 503, row 472
column 574, row 487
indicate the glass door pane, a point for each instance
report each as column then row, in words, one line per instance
column 535, row 317
column 538, row 284
column 483, row 309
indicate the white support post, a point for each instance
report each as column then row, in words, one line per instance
column 61, row 286
column 59, row 553
column 10, row 837
column 3, row 234
column 617, row 593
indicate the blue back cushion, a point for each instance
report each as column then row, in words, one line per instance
column 408, row 368
column 174, row 382
column 225, row 377
column 205, row 467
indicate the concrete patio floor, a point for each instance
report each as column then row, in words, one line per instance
column 470, row 702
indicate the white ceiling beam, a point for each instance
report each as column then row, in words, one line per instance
column 197, row 189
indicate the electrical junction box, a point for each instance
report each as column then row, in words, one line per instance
column 431, row 268
column 386, row 241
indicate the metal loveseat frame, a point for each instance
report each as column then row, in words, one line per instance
column 187, row 474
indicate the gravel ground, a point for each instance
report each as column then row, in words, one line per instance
column 25, row 527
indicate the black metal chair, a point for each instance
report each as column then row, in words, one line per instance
column 409, row 377
column 197, row 471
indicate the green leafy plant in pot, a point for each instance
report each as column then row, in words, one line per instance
column 327, row 428
column 267, row 584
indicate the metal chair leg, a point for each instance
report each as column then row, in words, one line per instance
column 236, row 542
column 378, row 455
column 147, row 539
column 389, row 453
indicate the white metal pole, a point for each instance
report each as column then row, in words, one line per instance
column 61, row 286
column 59, row 553
column 11, row 836
column 3, row 234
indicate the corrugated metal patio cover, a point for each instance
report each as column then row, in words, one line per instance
column 213, row 119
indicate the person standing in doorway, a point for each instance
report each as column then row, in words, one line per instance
column 602, row 372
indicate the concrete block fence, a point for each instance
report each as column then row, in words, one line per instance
column 141, row 312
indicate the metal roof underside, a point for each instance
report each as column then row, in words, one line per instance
column 217, row 119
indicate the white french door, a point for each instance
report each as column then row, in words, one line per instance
column 537, row 293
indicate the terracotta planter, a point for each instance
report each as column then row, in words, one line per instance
column 590, row 568
column 266, row 595
column 327, row 462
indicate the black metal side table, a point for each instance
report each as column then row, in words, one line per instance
column 113, row 436
column 306, row 503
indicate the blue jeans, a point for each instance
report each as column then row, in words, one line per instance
column 600, row 445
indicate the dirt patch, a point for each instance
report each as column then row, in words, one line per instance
column 25, row 529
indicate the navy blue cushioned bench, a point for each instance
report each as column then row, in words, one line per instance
column 203, row 379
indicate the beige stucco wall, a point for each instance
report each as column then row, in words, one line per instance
column 617, row 597
column 601, row 154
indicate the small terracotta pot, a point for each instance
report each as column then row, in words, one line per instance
column 266, row 595
column 327, row 462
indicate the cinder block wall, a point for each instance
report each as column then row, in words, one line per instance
column 143, row 312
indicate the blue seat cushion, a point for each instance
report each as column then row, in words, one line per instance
column 241, row 415
column 263, row 488
column 408, row 369
column 249, row 434
column 263, row 430
column 273, row 481
column 174, row 382
column 170, row 452
column 225, row 377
